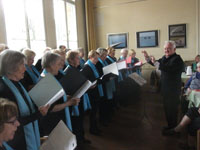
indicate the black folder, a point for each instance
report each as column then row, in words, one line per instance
column 72, row 81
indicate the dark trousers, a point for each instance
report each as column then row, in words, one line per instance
column 78, row 123
column 155, row 79
column 194, row 115
column 93, row 114
column 171, row 109
column 105, row 109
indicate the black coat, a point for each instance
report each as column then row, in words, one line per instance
column 171, row 69
column 38, row 65
column 49, row 122
column 88, row 73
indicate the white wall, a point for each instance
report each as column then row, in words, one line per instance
column 115, row 16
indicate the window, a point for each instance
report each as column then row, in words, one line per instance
column 25, row 24
column 71, row 24
column 36, row 25
column 65, row 20
column 15, row 24
column 60, row 21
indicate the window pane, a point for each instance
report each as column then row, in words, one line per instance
column 38, row 47
column 60, row 21
column 34, row 9
column 15, row 23
column 71, row 24
column 73, row 45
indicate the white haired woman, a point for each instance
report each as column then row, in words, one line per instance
column 78, row 120
column 51, row 63
column 12, row 68
column 124, row 54
column 96, row 93
column 81, row 56
column 108, row 87
column 8, row 122
column 32, row 75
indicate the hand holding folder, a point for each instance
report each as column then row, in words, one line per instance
column 61, row 138
column 83, row 89
column 46, row 91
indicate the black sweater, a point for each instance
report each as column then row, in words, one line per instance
column 171, row 69
column 88, row 73
column 18, row 143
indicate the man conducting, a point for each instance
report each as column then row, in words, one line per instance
column 171, row 66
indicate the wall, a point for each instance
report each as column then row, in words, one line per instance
column 115, row 16
column 2, row 25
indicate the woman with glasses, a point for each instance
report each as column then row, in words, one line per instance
column 8, row 122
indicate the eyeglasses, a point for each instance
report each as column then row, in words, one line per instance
column 12, row 121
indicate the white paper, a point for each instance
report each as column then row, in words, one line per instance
column 46, row 91
column 138, row 63
column 84, row 88
column 112, row 68
column 189, row 71
column 93, row 83
column 61, row 138
column 138, row 79
column 56, row 97
column 121, row 65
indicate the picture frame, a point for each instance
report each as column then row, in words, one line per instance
column 147, row 39
column 177, row 33
column 118, row 40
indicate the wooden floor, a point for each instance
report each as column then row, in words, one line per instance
column 135, row 127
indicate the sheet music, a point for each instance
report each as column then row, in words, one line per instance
column 46, row 91
column 61, row 138
column 138, row 63
column 138, row 79
column 121, row 65
column 84, row 88
column 112, row 68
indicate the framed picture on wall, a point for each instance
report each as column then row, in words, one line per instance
column 147, row 39
column 177, row 33
column 118, row 40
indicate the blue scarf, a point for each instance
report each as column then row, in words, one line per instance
column 109, row 88
column 62, row 72
column 67, row 114
column 7, row 146
column 113, row 81
column 66, row 63
column 110, row 59
column 101, row 61
column 122, row 58
column 96, row 74
column 34, row 78
column 86, row 102
column 32, row 135
column 82, row 62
